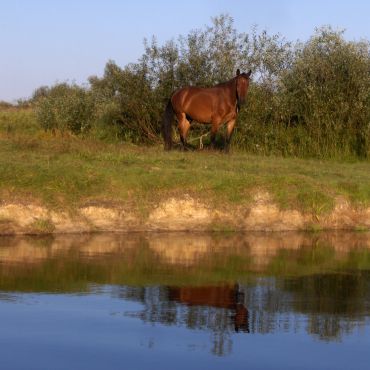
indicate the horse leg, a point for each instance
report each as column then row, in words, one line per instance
column 229, row 134
column 184, row 126
column 214, row 129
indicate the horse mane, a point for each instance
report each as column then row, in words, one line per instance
column 226, row 82
column 232, row 80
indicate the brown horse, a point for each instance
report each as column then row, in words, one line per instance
column 214, row 105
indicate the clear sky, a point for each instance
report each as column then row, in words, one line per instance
column 45, row 41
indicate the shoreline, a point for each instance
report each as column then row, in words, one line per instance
column 178, row 214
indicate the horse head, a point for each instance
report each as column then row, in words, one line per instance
column 242, row 84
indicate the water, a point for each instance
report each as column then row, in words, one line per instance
column 199, row 301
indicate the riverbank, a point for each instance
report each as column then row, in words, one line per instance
column 182, row 214
column 57, row 183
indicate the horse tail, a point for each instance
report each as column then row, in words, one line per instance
column 167, row 125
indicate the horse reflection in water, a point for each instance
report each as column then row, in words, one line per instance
column 224, row 296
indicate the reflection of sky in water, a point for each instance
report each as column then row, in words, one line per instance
column 302, row 301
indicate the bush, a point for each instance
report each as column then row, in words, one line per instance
column 5, row 105
column 65, row 108
column 125, row 105
column 308, row 99
column 319, row 104
column 327, row 90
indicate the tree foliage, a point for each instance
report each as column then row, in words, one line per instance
column 306, row 99
column 65, row 107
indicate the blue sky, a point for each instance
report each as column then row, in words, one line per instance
column 45, row 41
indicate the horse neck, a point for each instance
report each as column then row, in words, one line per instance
column 234, row 92
column 231, row 87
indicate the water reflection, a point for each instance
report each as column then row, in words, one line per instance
column 227, row 297
column 182, row 249
column 218, row 310
column 224, row 284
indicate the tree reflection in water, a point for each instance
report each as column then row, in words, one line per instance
column 327, row 306
column 246, row 283
column 218, row 309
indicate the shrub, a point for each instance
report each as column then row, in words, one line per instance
column 65, row 108
column 125, row 105
column 318, row 105
column 308, row 99
column 5, row 105
column 327, row 90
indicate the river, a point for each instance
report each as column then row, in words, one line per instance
column 185, row 301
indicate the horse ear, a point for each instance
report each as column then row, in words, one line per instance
column 249, row 73
column 238, row 72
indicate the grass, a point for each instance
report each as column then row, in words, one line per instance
column 43, row 226
column 67, row 171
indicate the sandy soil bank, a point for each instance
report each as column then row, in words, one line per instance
column 178, row 214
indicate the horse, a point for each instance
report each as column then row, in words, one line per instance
column 214, row 105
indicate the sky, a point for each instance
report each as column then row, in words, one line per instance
column 48, row 41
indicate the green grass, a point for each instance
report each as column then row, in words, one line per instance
column 68, row 171
column 43, row 226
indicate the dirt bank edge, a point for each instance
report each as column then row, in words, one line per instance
column 178, row 214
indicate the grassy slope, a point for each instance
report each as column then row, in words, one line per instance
column 68, row 171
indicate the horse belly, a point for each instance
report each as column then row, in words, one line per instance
column 200, row 107
column 201, row 117
column 207, row 109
